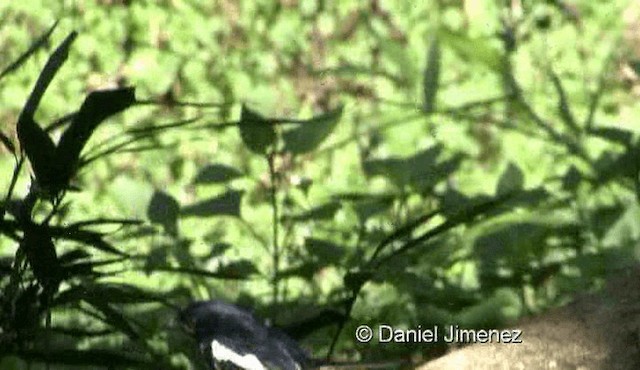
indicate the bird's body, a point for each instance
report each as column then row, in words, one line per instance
column 232, row 338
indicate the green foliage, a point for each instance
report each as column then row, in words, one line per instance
column 47, row 273
column 311, row 133
column 424, row 164
column 257, row 133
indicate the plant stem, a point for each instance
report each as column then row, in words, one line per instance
column 275, row 225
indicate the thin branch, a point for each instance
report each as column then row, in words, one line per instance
column 275, row 224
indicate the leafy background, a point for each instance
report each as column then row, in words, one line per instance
column 328, row 164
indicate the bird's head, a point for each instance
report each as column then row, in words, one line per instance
column 227, row 333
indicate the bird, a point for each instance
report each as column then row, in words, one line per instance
column 231, row 337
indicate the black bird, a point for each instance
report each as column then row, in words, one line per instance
column 232, row 338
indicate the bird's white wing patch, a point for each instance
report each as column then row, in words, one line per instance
column 247, row 361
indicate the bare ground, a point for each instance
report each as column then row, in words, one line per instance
column 595, row 332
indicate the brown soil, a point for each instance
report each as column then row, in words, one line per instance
column 595, row 332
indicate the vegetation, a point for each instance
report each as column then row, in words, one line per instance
column 329, row 164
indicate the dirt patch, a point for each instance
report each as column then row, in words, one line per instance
column 595, row 332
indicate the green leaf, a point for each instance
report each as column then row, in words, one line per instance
column 87, row 357
column 399, row 56
column 114, row 292
column 73, row 256
column 571, row 179
column 511, row 180
column 422, row 170
column 494, row 311
column 39, row 148
column 325, row 251
column 112, row 316
column 86, row 269
column 515, row 244
column 455, row 218
column 613, row 134
column 41, row 41
column 35, row 142
column 218, row 249
column 472, row 49
column 305, row 270
column 311, row 133
column 309, row 318
column 55, row 61
column 612, row 165
column 8, row 144
column 431, row 77
column 523, row 198
column 223, row 274
column 226, row 204
column 354, row 280
column 453, row 201
column 98, row 106
column 603, row 262
column 441, row 171
column 242, row 269
column 157, row 257
column 29, row 315
column 323, row 212
column 163, row 209
column 393, row 168
column 626, row 230
column 88, row 237
column 369, row 207
column 41, row 254
column 256, row 132
column 217, row 173
column 101, row 221
column 604, row 217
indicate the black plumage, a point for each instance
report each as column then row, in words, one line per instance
column 232, row 338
